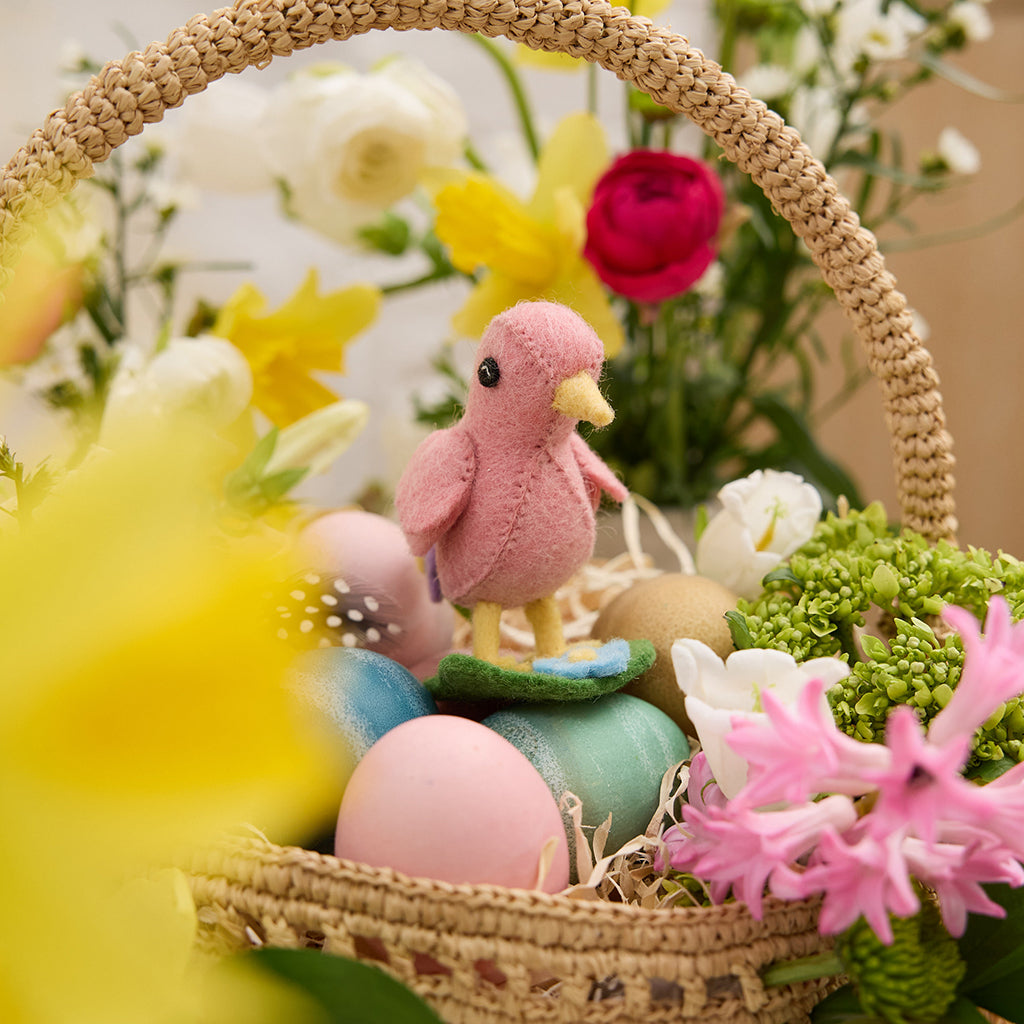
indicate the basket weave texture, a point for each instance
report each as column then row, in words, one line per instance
column 482, row 954
column 478, row 953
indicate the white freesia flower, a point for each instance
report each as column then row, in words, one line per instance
column 959, row 154
column 878, row 31
column 764, row 518
column 347, row 146
column 717, row 692
column 813, row 113
column 206, row 375
column 315, row 441
column 767, row 81
column 972, row 19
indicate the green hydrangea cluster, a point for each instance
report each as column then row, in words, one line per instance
column 916, row 977
column 855, row 568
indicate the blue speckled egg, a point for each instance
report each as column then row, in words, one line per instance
column 611, row 752
column 357, row 696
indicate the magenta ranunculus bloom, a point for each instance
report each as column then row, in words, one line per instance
column 652, row 224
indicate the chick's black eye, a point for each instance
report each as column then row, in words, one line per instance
column 488, row 373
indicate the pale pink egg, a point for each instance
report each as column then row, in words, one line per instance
column 369, row 555
column 446, row 798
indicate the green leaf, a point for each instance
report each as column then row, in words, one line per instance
column 256, row 461
column 782, row 574
column 993, row 949
column 741, row 638
column 968, row 82
column 988, row 771
column 794, row 431
column 922, row 182
column 700, row 522
column 274, row 487
column 350, row 992
column 963, row 1011
column 841, row 1007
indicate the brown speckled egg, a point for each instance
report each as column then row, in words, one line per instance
column 662, row 610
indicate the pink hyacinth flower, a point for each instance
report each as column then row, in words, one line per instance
column 993, row 670
column 922, row 785
column 955, row 871
column 799, row 752
column 741, row 848
column 859, row 874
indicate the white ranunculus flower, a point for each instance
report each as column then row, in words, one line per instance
column 216, row 144
column 205, row 375
column 347, row 146
column 315, row 441
column 764, row 518
column 960, row 155
column 719, row 691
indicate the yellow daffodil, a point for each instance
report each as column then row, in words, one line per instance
column 558, row 61
column 531, row 250
column 142, row 710
column 308, row 333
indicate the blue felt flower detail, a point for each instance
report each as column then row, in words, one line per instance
column 610, row 659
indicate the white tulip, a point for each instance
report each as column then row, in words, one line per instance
column 205, row 375
column 315, row 441
column 718, row 692
column 764, row 518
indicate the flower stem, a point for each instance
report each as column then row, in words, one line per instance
column 820, row 965
column 522, row 104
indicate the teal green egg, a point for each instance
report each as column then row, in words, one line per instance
column 611, row 753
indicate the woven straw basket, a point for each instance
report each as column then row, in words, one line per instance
column 480, row 953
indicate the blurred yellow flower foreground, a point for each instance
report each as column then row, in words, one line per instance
column 141, row 710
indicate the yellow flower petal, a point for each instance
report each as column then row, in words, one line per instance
column 545, row 61
column 143, row 687
column 142, row 707
column 649, row 8
column 483, row 224
column 582, row 290
column 573, row 158
column 491, row 296
column 309, row 332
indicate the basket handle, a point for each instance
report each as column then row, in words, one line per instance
column 128, row 94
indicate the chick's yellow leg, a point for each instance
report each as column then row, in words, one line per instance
column 546, row 620
column 486, row 630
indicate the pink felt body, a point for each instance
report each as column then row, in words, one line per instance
column 508, row 494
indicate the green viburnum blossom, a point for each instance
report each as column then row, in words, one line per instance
column 914, row 978
column 855, row 567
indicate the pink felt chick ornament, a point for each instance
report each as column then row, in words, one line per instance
column 507, row 496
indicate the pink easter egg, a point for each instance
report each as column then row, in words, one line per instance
column 446, row 798
column 370, row 553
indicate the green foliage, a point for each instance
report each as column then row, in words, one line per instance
column 348, row 991
column 993, row 949
column 250, row 490
column 30, row 488
column 856, row 566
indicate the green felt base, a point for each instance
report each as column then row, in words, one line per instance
column 463, row 677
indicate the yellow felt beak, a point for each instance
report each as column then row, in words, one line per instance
column 579, row 398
